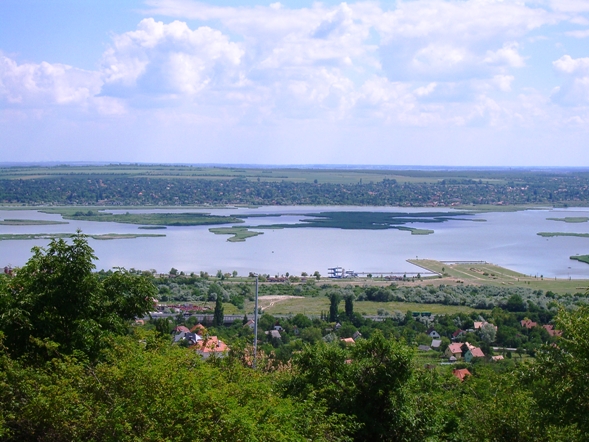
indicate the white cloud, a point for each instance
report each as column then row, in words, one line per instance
column 568, row 65
column 503, row 82
column 170, row 59
column 42, row 84
column 570, row 5
column 578, row 34
column 575, row 90
column 439, row 63
column 506, row 56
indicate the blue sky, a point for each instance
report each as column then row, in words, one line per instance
column 421, row 82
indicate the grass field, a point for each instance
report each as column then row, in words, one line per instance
column 301, row 175
column 314, row 306
column 490, row 274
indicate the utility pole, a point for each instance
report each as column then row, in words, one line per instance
column 256, row 325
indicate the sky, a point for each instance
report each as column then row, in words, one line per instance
column 421, row 82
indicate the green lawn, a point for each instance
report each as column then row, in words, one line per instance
column 314, row 306
column 489, row 274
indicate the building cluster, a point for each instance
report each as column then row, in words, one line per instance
column 197, row 339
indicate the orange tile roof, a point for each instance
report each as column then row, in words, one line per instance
column 212, row 344
column 461, row 373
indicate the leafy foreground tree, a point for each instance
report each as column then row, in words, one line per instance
column 146, row 390
column 371, row 382
column 559, row 380
column 56, row 304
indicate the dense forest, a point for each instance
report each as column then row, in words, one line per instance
column 97, row 189
column 75, row 365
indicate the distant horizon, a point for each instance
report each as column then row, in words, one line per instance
column 291, row 166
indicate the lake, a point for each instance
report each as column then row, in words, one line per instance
column 508, row 239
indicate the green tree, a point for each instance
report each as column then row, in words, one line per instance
column 132, row 395
column 365, row 382
column 334, row 300
column 559, row 378
column 163, row 326
column 218, row 316
column 55, row 303
column 515, row 303
column 349, row 305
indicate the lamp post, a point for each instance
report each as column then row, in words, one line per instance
column 256, row 325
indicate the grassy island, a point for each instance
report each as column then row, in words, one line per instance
column 581, row 258
column 152, row 219
column 239, row 234
column 551, row 234
column 571, row 219
column 49, row 236
column 29, row 222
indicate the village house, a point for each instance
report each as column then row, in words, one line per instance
column 457, row 334
column 455, row 350
column 432, row 333
column 528, row 323
column 274, row 334
column 551, row 331
column 210, row 346
column 473, row 353
column 461, row 373
column 348, row 341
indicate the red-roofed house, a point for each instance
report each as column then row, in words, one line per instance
column 209, row 346
column 181, row 329
column 528, row 323
column 461, row 373
column 457, row 334
column 550, row 329
column 473, row 353
column 467, row 346
column 454, row 350
column 348, row 341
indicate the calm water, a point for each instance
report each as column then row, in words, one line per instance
column 508, row 239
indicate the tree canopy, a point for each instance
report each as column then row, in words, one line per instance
column 56, row 303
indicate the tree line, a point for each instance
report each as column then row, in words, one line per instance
column 544, row 188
